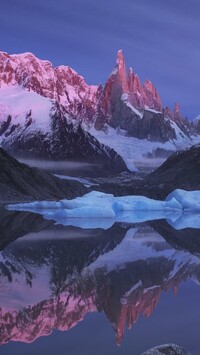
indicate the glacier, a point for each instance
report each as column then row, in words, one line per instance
column 96, row 209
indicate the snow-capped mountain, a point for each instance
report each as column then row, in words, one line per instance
column 196, row 123
column 53, row 113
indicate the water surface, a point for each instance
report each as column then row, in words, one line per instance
column 120, row 290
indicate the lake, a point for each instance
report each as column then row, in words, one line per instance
column 116, row 290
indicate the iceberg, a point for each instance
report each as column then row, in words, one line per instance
column 189, row 200
column 98, row 206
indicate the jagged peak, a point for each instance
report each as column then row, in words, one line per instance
column 30, row 56
column 3, row 53
column 120, row 61
column 130, row 72
column 149, row 85
column 176, row 107
column 26, row 55
column 66, row 68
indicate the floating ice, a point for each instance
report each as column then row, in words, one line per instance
column 100, row 210
column 189, row 200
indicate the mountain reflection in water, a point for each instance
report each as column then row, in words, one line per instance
column 54, row 276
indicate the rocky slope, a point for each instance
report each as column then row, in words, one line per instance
column 127, row 104
column 196, row 123
column 42, row 108
column 186, row 239
column 44, row 134
column 181, row 170
column 168, row 349
column 61, row 84
column 20, row 182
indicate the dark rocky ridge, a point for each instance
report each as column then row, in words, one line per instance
column 64, row 142
column 185, row 239
column 167, row 349
column 180, row 171
column 20, row 182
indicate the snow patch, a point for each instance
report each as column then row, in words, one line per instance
column 133, row 150
column 19, row 102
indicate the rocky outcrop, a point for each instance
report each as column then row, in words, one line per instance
column 127, row 104
column 20, row 182
column 118, row 85
column 61, row 84
column 168, row 349
column 180, row 170
column 63, row 141
column 151, row 98
column 196, row 123
column 186, row 239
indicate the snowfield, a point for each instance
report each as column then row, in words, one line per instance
column 18, row 102
column 133, row 150
column 95, row 206
column 23, row 104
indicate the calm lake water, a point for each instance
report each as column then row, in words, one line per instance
column 120, row 290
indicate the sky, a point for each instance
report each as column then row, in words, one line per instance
column 160, row 39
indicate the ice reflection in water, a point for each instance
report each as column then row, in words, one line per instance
column 55, row 276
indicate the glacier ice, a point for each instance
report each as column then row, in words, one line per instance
column 101, row 210
column 189, row 200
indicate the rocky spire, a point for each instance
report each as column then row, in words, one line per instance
column 152, row 99
column 135, row 89
column 116, row 86
column 120, row 72
column 177, row 113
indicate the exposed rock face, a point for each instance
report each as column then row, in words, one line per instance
column 152, row 98
column 196, row 123
column 20, row 182
column 180, row 170
column 119, row 85
column 184, row 239
column 151, row 125
column 136, row 90
column 137, row 108
column 121, row 90
column 61, row 84
column 61, row 141
column 168, row 349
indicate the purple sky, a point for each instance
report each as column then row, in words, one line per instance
column 160, row 40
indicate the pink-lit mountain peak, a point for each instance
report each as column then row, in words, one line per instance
column 120, row 61
column 66, row 86
column 40, row 76
column 26, row 65
column 140, row 96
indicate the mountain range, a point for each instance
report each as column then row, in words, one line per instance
column 48, row 112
